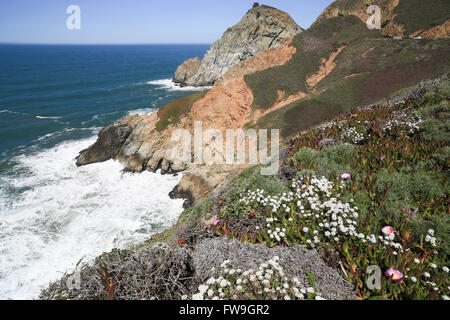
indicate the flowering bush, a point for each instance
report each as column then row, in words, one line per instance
column 383, row 202
column 314, row 214
column 267, row 283
column 403, row 121
column 352, row 135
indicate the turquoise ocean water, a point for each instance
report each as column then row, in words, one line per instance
column 53, row 102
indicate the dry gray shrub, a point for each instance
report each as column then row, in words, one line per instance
column 152, row 273
column 210, row 254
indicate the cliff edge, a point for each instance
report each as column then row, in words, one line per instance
column 334, row 67
column 260, row 29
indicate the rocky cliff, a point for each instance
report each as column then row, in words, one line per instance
column 143, row 142
column 337, row 70
column 427, row 19
column 333, row 67
column 260, row 29
column 186, row 71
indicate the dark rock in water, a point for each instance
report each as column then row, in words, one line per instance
column 110, row 141
column 177, row 193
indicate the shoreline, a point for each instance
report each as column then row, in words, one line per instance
column 193, row 243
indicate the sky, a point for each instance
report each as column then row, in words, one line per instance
column 136, row 21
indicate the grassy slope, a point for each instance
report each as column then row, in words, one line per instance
column 414, row 15
column 171, row 113
column 361, row 76
column 399, row 178
column 312, row 45
column 417, row 14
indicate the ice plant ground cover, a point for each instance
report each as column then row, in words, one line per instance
column 376, row 195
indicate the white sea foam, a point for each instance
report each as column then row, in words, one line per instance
column 168, row 84
column 67, row 213
column 14, row 112
column 142, row 111
column 43, row 117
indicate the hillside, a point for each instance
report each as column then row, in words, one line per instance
column 363, row 178
column 333, row 67
column 368, row 188
column 342, row 69
column 403, row 18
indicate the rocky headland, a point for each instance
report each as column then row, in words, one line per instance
column 347, row 100
column 308, row 73
column 262, row 28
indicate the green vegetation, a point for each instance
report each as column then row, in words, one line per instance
column 417, row 14
column 312, row 45
column 171, row 113
column 367, row 70
column 376, row 194
column 379, row 196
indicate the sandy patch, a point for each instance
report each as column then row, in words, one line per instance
column 324, row 70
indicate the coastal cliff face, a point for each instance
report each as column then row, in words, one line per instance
column 143, row 142
column 333, row 67
column 186, row 70
column 382, row 122
column 260, row 29
column 401, row 18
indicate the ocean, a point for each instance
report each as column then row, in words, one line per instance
column 53, row 102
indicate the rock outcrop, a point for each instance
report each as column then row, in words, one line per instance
column 110, row 141
column 297, row 85
column 399, row 18
column 260, row 29
column 147, row 146
column 186, row 70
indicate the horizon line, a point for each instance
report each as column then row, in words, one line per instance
column 102, row 44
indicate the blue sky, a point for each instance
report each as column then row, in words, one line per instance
column 136, row 21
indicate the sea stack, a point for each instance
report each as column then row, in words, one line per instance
column 262, row 28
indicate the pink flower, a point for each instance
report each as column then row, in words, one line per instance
column 215, row 222
column 394, row 274
column 388, row 230
column 346, row 176
column 383, row 159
